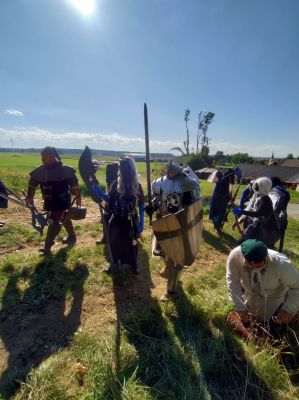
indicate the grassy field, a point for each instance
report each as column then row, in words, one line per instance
column 73, row 333
column 14, row 169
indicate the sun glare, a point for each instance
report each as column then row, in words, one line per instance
column 86, row 7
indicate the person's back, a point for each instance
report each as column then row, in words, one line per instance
column 264, row 224
column 280, row 198
column 222, row 186
column 220, row 198
column 247, row 195
column 279, row 195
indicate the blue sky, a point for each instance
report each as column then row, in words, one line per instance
column 68, row 80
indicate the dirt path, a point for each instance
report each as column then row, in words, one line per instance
column 49, row 328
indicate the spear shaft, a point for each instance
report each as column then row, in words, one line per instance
column 148, row 162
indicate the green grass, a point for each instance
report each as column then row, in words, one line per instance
column 15, row 168
column 179, row 350
column 294, row 196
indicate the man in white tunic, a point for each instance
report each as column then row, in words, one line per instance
column 262, row 283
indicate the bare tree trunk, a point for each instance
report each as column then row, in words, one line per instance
column 187, row 141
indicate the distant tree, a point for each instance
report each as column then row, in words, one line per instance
column 290, row 156
column 218, row 155
column 187, row 141
column 241, row 158
column 195, row 161
column 228, row 158
column 204, row 120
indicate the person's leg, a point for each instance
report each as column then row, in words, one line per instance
column 53, row 230
column 174, row 273
column 107, row 217
column 219, row 213
column 164, row 272
column 71, row 238
column 113, row 242
column 134, row 264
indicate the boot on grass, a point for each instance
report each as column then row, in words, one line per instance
column 71, row 238
column 52, row 232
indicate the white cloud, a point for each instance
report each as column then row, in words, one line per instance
column 37, row 138
column 14, row 112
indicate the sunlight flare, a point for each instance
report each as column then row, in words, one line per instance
column 86, row 7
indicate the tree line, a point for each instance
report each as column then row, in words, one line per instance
column 198, row 156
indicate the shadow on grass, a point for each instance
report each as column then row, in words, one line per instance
column 225, row 370
column 161, row 365
column 223, row 243
column 179, row 356
column 39, row 321
column 292, row 255
column 286, row 341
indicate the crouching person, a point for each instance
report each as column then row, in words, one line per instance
column 56, row 181
column 263, row 285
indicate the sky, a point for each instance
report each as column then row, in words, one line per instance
column 70, row 80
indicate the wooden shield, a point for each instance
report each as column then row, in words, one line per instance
column 179, row 234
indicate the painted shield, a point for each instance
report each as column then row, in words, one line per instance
column 179, row 234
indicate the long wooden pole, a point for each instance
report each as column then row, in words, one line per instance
column 148, row 161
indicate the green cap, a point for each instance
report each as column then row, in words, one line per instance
column 254, row 250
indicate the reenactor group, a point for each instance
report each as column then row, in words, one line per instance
column 262, row 283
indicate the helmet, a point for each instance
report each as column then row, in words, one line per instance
column 174, row 168
column 50, row 151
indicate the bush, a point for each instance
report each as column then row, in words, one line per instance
column 195, row 161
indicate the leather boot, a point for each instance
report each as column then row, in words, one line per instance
column 52, row 232
column 71, row 238
column 173, row 278
column 174, row 273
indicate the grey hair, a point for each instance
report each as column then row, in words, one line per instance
column 133, row 184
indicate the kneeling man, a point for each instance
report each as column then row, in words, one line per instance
column 262, row 284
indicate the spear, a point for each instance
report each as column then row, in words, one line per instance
column 148, row 165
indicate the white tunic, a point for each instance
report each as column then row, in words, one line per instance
column 262, row 291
